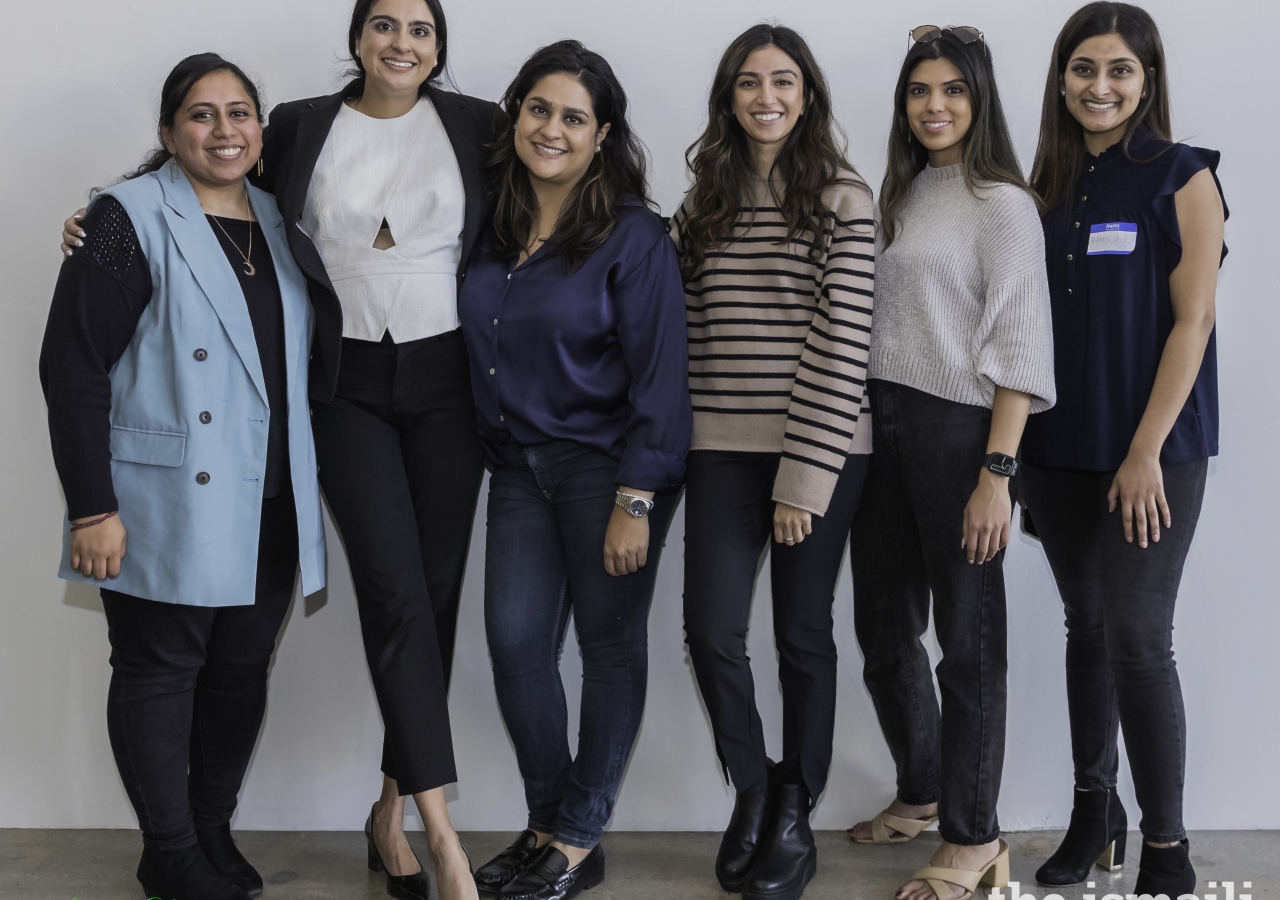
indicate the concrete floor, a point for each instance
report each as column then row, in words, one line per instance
column 99, row 865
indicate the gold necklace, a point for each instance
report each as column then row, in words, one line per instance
column 248, row 265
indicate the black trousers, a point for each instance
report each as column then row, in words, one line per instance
column 905, row 545
column 1119, row 601
column 189, row 689
column 728, row 523
column 400, row 464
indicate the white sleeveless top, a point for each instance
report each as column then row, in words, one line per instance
column 402, row 170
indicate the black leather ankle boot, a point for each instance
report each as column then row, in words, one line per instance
column 1097, row 834
column 787, row 859
column 223, row 854
column 1166, row 870
column 184, row 875
column 741, row 841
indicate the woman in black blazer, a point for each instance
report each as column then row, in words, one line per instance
column 392, row 412
column 400, row 462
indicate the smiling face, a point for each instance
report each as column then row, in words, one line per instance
column 768, row 97
column 939, row 110
column 216, row 135
column 1103, row 83
column 398, row 46
column 557, row 133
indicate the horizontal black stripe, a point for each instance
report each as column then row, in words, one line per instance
column 849, row 254
column 747, row 289
column 853, row 239
column 780, row 254
column 832, row 374
column 830, row 392
column 856, row 326
column 705, row 374
column 744, row 411
column 838, row 451
column 810, row 462
column 821, row 408
column 838, row 357
column 746, row 339
column 792, row 417
column 704, row 392
column 852, row 273
column 756, row 273
column 806, row 308
column 772, row 323
column 745, row 356
column 836, row 286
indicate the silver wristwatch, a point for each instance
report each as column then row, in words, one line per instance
column 636, row 506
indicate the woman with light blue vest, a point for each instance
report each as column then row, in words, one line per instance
column 175, row 369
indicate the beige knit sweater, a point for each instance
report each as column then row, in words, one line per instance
column 778, row 342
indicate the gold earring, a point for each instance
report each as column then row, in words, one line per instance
column 173, row 171
column 259, row 166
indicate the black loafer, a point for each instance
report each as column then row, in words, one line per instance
column 787, row 858
column 497, row 872
column 403, row 887
column 223, row 854
column 548, row 876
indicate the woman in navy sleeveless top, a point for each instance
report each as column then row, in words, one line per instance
column 1115, row 473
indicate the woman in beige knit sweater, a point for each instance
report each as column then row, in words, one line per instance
column 777, row 245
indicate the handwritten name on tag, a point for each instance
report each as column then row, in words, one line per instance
column 1113, row 239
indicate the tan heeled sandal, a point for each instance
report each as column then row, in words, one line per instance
column 908, row 829
column 940, row 879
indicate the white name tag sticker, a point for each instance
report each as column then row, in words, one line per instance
column 1113, row 238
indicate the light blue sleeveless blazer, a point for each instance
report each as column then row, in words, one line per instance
column 190, row 494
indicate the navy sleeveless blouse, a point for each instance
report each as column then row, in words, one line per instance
column 1110, row 251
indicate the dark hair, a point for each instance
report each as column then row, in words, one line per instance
column 1061, row 150
column 988, row 153
column 720, row 159
column 616, row 174
column 360, row 16
column 177, row 86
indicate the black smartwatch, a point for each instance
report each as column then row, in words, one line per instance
column 999, row 464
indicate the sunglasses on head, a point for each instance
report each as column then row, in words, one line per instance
column 923, row 34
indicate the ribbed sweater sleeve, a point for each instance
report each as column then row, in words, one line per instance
column 827, row 395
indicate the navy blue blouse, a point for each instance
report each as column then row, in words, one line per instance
column 1110, row 252
column 599, row 357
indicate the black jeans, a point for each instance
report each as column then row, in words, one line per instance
column 1119, row 601
column 728, row 523
column 189, row 689
column 549, row 507
column 905, row 545
column 401, row 464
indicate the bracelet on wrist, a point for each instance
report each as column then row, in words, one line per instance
column 92, row 522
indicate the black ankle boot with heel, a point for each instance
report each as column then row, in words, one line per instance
column 1097, row 834
column 1166, row 870
column 741, row 842
column 184, row 875
column 223, row 854
column 787, row 859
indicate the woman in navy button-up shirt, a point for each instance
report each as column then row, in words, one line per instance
column 1134, row 239
column 573, row 313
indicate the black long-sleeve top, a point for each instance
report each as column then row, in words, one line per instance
column 102, row 291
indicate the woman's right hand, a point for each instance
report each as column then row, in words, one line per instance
column 96, row 551
column 72, row 234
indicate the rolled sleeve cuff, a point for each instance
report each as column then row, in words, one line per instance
column 804, row 486
column 646, row 469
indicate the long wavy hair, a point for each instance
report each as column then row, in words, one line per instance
column 359, row 18
column 1060, row 152
column 616, row 174
column 811, row 160
column 988, row 153
column 177, row 86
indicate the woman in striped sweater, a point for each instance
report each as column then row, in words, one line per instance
column 776, row 240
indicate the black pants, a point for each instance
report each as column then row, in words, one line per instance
column 905, row 545
column 189, row 689
column 728, row 524
column 400, row 464
column 1119, row 601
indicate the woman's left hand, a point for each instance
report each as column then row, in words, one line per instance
column 626, row 543
column 1138, row 489
column 791, row 524
column 987, row 518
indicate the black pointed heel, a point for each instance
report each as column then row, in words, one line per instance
column 404, row 887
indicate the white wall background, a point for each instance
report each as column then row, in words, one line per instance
column 82, row 80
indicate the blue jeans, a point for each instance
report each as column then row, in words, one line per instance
column 549, row 507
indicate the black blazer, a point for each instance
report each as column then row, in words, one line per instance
column 291, row 146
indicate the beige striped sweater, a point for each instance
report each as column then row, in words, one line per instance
column 778, row 342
